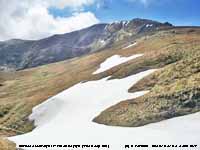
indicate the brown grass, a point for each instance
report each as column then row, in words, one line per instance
column 6, row 145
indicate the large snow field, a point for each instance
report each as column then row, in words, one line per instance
column 67, row 119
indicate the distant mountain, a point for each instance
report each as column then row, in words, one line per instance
column 18, row 54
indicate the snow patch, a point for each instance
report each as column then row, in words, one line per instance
column 125, row 23
column 103, row 42
column 106, row 27
column 114, row 61
column 131, row 45
column 149, row 25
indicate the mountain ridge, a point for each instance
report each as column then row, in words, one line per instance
column 19, row 54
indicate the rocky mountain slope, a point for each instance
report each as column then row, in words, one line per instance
column 20, row 54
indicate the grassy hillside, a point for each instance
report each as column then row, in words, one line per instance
column 176, row 51
column 174, row 89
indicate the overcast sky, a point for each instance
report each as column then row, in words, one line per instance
column 36, row 19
